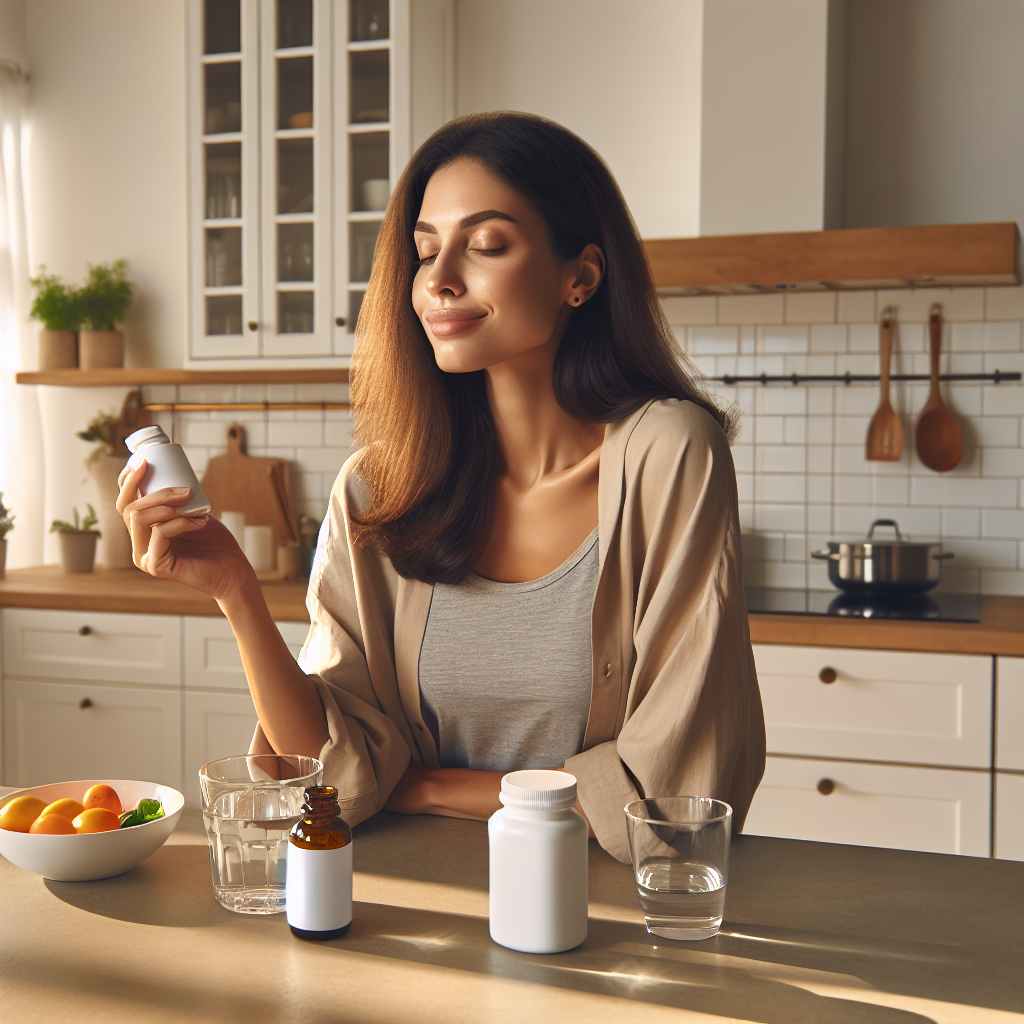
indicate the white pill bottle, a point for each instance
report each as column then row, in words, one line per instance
column 167, row 466
column 538, row 864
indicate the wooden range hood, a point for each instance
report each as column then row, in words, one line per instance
column 931, row 256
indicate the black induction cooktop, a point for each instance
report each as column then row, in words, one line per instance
column 839, row 604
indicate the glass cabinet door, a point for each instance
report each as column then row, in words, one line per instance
column 297, row 174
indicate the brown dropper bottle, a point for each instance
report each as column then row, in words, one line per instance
column 319, row 881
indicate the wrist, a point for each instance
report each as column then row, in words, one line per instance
column 245, row 601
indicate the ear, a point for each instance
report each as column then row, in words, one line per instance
column 587, row 272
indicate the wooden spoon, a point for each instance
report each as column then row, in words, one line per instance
column 885, row 433
column 940, row 441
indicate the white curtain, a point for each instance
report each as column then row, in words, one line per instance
column 21, row 450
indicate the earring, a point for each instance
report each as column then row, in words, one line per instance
column 576, row 299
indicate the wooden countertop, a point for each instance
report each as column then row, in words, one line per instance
column 1000, row 631
column 131, row 590
column 812, row 932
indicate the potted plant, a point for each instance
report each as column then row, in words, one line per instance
column 104, row 464
column 6, row 525
column 103, row 301
column 56, row 305
column 77, row 541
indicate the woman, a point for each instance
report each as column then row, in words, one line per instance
column 534, row 558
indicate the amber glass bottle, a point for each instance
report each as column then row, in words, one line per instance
column 318, row 884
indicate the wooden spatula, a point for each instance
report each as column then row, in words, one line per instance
column 885, row 432
column 940, row 441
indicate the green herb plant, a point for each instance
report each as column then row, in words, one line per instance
column 6, row 518
column 79, row 526
column 105, row 297
column 146, row 810
column 56, row 304
column 103, row 428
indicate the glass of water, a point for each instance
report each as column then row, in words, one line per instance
column 250, row 803
column 680, row 851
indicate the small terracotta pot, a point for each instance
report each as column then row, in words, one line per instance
column 3, row 557
column 100, row 350
column 78, row 550
column 58, row 350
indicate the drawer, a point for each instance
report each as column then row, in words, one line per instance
column 144, row 649
column 212, row 659
column 1009, row 811
column 126, row 732
column 1010, row 714
column 936, row 810
column 216, row 725
column 877, row 705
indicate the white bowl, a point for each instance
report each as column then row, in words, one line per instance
column 83, row 858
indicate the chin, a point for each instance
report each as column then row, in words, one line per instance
column 460, row 359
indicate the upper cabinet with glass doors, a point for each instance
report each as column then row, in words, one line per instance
column 303, row 113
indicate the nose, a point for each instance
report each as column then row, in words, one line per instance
column 443, row 277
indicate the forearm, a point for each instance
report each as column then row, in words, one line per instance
column 286, row 700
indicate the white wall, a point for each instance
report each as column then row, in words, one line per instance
column 107, row 165
column 936, row 112
column 622, row 74
column 764, row 116
column 13, row 39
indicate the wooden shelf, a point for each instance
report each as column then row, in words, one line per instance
column 932, row 256
column 135, row 377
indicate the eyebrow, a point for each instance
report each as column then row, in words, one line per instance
column 467, row 222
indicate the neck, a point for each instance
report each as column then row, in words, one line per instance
column 537, row 438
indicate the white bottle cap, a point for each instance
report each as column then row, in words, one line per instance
column 146, row 434
column 538, row 790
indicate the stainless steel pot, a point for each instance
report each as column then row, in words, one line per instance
column 884, row 567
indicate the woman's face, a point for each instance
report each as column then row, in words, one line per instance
column 489, row 286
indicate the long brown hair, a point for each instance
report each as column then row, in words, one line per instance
column 428, row 439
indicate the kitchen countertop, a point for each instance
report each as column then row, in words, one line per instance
column 813, row 932
column 1000, row 631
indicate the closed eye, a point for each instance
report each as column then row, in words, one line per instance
column 426, row 261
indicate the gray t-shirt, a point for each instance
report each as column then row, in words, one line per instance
column 505, row 668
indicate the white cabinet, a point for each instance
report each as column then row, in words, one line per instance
column 1009, row 813
column 55, row 732
column 1010, row 714
column 144, row 649
column 929, row 809
column 216, row 725
column 877, row 705
column 302, row 114
column 212, row 659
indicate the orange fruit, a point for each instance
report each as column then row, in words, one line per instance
column 19, row 813
column 52, row 825
column 96, row 819
column 66, row 808
column 102, row 795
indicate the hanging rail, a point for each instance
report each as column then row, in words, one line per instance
column 998, row 377
column 251, row 406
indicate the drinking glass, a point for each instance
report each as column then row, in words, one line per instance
column 250, row 803
column 680, row 851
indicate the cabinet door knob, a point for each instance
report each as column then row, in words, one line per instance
column 340, row 321
column 828, row 675
column 253, row 325
column 84, row 630
column 826, row 786
column 84, row 703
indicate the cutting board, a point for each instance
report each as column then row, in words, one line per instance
column 261, row 488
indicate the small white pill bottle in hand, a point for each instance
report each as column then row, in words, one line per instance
column 167, row 466
column 538, row 864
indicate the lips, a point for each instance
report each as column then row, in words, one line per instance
column 446, row 322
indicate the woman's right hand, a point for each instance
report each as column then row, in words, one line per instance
column 197, row 551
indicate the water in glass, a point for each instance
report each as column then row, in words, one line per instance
column 681, row 899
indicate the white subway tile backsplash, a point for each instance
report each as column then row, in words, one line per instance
column 1003, row 400
column 994, row 581
column 768, row 429
column 1004, row 303
column 297, row 434
column 784, row 518
column 819, row 458
column 781, row 401
column 961, row 522
column 855, row 307
column 819, row 517
column 789, row 339
column 828, row 338
column 819, row 489
column 685, row 310
column 712, row 341
column 780, row 487
column 794, row 430
column 821, row 400
column 743, row 458
column 886, row 490
column 1003, row 461
column 863, row 338
column 810, row 307
column 750, row 309
column 983, row 554
column 1002, row 523
column 324, row 459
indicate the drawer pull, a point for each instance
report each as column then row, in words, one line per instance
column 84, row 703
column 828, row 675
column 826, row 786
column 84, row 630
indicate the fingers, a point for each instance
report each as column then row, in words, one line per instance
column 129, row 481
column 159, row 559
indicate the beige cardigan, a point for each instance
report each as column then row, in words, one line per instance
column 675, row 706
